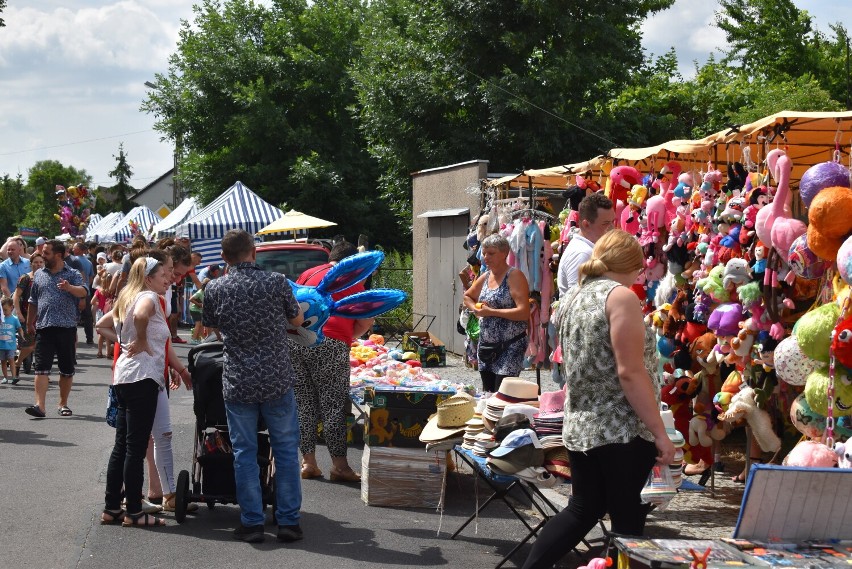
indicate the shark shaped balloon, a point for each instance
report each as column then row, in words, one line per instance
column 318, row 305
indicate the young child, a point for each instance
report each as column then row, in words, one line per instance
column 101, row 301
column 8, row 341
column 196, row 306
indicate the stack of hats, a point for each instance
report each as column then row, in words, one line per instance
column 474, row 426
column 520, row 454
column 450, row 421
column 512, row 390
column 483, row 443
column 676, row 467
column 548, row 423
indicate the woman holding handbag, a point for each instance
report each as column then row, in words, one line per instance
column 138, row 323
column 499, row 297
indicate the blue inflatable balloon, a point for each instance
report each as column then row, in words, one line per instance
column 318, row 305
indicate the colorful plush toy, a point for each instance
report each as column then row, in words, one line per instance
column 791, row 365
column 841, row 341
column 811, row 454
column 318, row 305
column 844, row 454
column 813, row 331
column 780, row 167
column 744, row 406
column 598, row 563
column 816, row 391
column 829, row 221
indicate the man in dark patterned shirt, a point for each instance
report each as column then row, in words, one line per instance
column 251, row 308
column 52, row 317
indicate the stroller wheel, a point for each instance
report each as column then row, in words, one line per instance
column 181, row 496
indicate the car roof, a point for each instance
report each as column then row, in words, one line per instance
column 289, row 244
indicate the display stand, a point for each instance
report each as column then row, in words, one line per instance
column 501, row 485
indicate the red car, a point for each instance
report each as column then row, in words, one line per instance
column 291, row 258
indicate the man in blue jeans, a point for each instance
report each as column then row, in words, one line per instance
column 251, row 308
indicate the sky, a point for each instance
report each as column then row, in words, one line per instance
column 72, row 79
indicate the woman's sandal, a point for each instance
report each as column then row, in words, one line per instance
column 148, row 521
column 110, row 517
column 742, row 476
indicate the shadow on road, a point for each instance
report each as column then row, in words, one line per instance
column 30, row 438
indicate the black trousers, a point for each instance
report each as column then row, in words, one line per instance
column 137, row 404
column 604, row 479
column 490, row 381
column 86, row 319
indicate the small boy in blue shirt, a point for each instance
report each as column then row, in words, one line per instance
column 8, row 340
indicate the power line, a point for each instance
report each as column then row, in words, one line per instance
column 530, row 103
column 73, row 143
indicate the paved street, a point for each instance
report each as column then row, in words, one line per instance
column 53, row 478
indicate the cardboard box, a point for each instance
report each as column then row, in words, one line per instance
column 402, row 478
column 404, row 397
column 433, row 353
column 395, row 426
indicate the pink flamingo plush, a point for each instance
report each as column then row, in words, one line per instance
column 780, row 167
column 785, row 229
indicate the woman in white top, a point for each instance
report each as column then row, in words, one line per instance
column 138, row 323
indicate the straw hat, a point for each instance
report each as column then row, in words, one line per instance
column 451, row 419
column 512, row 390
column 557, row 463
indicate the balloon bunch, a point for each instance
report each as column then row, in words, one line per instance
column 135, row 229
column 75, row 206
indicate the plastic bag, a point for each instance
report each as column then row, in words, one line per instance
column 660, row 488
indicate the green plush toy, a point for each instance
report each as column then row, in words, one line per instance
column 816, row 391
column 813, row 331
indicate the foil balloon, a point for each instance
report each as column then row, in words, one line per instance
column 820, row 176
column 791, row 365
column 844, row 261
column 805, row 262
column 318, row 304
column 812, row 424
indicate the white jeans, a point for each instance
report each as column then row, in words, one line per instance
column 162, row 433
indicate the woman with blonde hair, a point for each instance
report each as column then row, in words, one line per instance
column 138, row 323
column 612, row 428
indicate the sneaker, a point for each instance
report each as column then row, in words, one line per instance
column 194, row 342
column 288, row 534
column 178, row 340
column 250, row 534
column 5, row 381
column 15, row 380
column 150, row 508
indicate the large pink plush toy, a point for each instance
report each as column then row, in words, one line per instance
column 780, row 167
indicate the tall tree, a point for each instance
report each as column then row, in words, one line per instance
column 42, row 205
column 261, row 94
column 2, row 7
column 11, row 204
column 441, row 81
column 122, row 174
column 768, row 37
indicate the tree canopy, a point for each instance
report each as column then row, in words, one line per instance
column 40, row 193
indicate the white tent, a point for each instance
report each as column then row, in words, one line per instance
column 167, row 227
column 120, row 232
column 104, row 224
column 237, row 208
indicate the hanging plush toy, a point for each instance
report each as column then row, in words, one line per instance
column 318, row 305
column 744, row 406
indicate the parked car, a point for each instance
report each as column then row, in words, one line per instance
column 291, row 258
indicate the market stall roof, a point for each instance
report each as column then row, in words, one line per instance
column 452, row 212
column 237, row 207
column 142, row 215
column 108, row 221
column 93, row 220
column 294, row 220
column 181, row 213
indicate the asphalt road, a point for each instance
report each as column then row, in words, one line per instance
column 52, row 474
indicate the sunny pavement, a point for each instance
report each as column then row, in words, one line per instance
column 53, row 470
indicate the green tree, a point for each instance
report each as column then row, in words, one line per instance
column 442, row 81
column 2, row 7
column 11, row 204
column 261, row 94
column 122, row 189
column 768, row 37
column 40, row 191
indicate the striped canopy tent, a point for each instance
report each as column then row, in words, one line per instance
column 93, row 230
column 93, row 219
column 170, row 223
column 237, row 208
column 121, row 232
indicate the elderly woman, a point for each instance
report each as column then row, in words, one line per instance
column 138, row 322
column 612, row 429
column 499, row 297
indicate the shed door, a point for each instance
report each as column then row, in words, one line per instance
column 445, row 258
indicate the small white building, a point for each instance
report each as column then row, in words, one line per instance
column 159, row 194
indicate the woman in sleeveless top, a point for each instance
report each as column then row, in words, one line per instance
column 612, row 427
column 499, row 297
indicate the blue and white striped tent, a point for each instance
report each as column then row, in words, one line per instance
column 121, row 232
column 93, row 220
column 167, row 227
column 104, row 224
column 237, row 208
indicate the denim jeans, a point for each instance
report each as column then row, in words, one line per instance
column 137, row 403
column 283, row 424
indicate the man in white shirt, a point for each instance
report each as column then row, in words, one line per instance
column 597, row 216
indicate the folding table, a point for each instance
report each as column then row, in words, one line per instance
column 501, row 485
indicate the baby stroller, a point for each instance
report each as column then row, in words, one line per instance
column 212, row 477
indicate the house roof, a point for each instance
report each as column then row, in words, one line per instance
column 168, row 174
